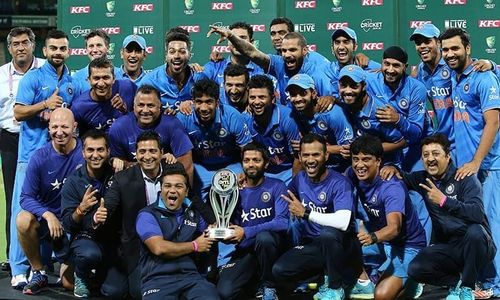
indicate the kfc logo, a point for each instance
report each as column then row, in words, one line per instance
column 79, row 10
column 191, row 28
column 259, row 28
column 455, row 2
column 221, row 49
column 372, row 2
column 373, row 46
column 335, row 26
column 111, row 30
column 222, row 6
column 305, row 4
column 149, row 50
column 311, row 47
column 418, row 24
column 488, row 23
column 77, row 51
column 143, row 7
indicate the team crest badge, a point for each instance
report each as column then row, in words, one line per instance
column 373, row 199
column 70, row 90
column 322, row 125
column 445, row 74
column 277, row 135
column 466, row 87
column 366, row 124
column 322, row 196
column 191, row 214
column 265, row 197
column 222, row 132
column 403, row 103
column 450, row 189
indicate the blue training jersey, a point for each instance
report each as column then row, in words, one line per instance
column 121, row 74
column 125, row 130
column 46, row 173
column 218, row 144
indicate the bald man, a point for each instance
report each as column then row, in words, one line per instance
column 39, row 221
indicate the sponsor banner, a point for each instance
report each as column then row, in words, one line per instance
column 143, row 7
column 79, row 10
column 305, row 4
column 373, row 46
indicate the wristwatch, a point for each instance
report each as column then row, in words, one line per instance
column 306, row 214
column 374, row 238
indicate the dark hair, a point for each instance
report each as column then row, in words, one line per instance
column 175, row 169
column 367, row 144
column 233, row 70
column 56, row 34
column 148, row 135
column 310, row 138
column 245, row 26
column 296, row 35
column 101, row 63
column 438, row 138
column 148, row 89
column 100, row 33
column 17, row 31
column 177, row 29
column 452, row 32
column 95, row 134
column 261, row 81
column 206, row 87
column 255, row 146
column 283, row 20
column 179, row 37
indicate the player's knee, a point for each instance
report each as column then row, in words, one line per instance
column 416, row 268
column 330, row 235
column 279, row 271
column 224, row 289
column 26, row 221
column 264, row 239
column 475, row 234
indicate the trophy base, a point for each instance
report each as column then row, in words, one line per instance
column 220, row 233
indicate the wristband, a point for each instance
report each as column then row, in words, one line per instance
column 306, row 214
column 374, row 237
column 79, row 211
column 195, row 246
column 443, row 201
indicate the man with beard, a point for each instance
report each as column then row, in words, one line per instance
column 104, row 102
column 272, row 126
column 476, row 122
column 294, row 59
column 323, row 200
column 462, row 242
column 40, row 92
column 145, row 117
column 259, row 229
column 235, row 86
column 40, row 218
column 133, row 54
column 81, row 200
column 21, row 45
column 333, row 125
column 97, row 45
column 174, row 79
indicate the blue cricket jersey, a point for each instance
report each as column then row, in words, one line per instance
column 120, row 73
column 125, row 130
column 473, row 94
column 91, row 114
column 218, row 144
column 37, row 86
column 46, row 173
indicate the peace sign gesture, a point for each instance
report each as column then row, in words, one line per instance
column 294, row 205
column 433, row 193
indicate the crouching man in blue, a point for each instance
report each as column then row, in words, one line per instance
column 462, row 243
column 172, row 233
column 323, row 200
column 393, row 221
column 262, row 216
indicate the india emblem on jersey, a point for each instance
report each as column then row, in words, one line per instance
column 277, row 135
column 450, row 189
column 222, row 132
column 322, row 197
column 403, row 103
column 265, row 197
column 466, row 87
column 366, row 124
column 322, row 125
column 445, row 74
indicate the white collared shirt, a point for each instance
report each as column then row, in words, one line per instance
column 9, row 82
column 153, row 187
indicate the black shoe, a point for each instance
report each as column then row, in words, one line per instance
column 5, row 266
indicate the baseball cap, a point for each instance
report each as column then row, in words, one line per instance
column 135, row 38
column 345, row 30
column 354, row 72
column 302, row 80
column 427, row 30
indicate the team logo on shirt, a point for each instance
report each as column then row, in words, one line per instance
column 450, row 189
column 222, row 132
column 373, row 199
column 191, row 214
column 466, row 87
column 265, row 197
column 445, row 74
column 366, row 124
column 322, row 196
column 322, row 125
column 403, row 103
column 277, row 135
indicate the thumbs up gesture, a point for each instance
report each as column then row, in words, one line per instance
column 54, row 100
column 101, row 214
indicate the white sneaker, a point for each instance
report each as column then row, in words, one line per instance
column 19, row 281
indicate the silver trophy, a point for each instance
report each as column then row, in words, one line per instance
column 223, row 198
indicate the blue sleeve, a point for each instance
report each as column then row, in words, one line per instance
column 322, row 81
column 128, row 93
column 394, row 198
column 239, row 128
column 147, row 226
column 116, row 142
column 27, row 89
column 488, row 90
column 276, row 66
column 281, row 216
column 340, row 125
column 179, row 140
column 31, row 189
column 412, row 126
column 344, row 198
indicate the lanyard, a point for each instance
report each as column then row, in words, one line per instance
column 11, row 77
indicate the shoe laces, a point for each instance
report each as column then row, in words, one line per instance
column 466, row 294
column 38, row 278
column 269, row 294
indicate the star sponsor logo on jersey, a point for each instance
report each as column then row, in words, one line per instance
column 275, row 150
column 489, row 4
column 222, row 5
column 56, row 185
column 256, row 213
column 190, row 223
column 372, row 2
column 493, row 94
column 450, row 189
column 420, row 4
column 372, row 211
column 79, row 10
column 77, row 31
column 255, row 6
column 277, row 136
column 151, row 292
column 143, row 29
column 366, row 124
column 336, row 25
column 305, row 27
column 488, row 23
column 418, row 24
column 374, row 46
column 337, row 6
column 462, row 23
column 455, row 2
column 265, row 197
column 490, row 42
column 191, row 28
column 403, row 103
column 189, row 5
column 305, row 4
column 143, row 7
column 110, row 7
column 369, row 24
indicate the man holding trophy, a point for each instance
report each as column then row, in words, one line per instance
column 260, row 233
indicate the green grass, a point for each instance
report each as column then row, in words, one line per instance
column 3, row 241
